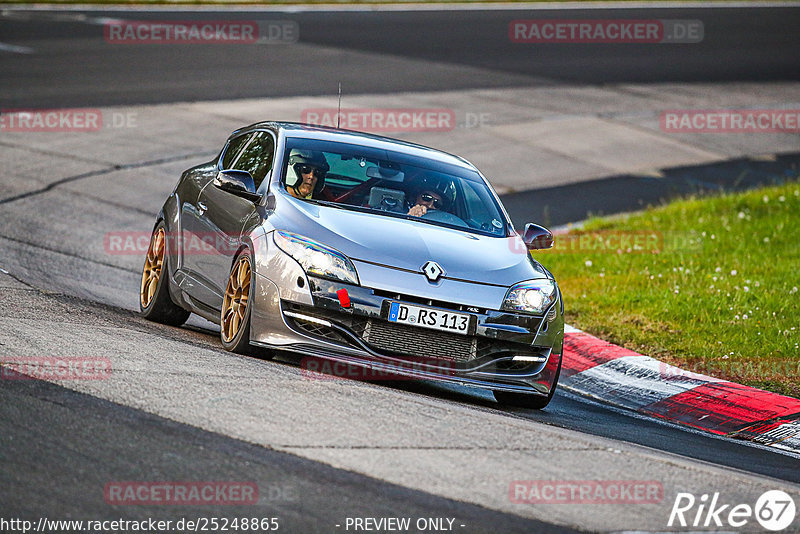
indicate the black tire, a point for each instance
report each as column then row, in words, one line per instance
column 239, row 342
column 524, row 400
column 155, row 304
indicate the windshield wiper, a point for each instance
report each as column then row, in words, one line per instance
column 328, row 203
column 351, row 207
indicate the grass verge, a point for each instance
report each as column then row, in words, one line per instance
column 708, row 284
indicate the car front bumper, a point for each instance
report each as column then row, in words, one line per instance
column 503, row 351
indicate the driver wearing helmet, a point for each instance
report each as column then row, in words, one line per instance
column 430, row 193
column 309, row 168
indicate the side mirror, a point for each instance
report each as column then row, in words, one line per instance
column 537, row 237
column 238, row 183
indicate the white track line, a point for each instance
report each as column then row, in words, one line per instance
column 16, row 49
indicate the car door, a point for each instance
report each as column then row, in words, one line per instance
column 224, row 216
column 191, row 244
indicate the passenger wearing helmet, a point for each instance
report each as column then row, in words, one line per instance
column 309, row 168
column 430, row 193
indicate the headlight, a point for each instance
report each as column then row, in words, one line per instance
column 316, row 258
column 533, row 296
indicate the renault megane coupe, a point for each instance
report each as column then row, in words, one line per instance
column 364, row 250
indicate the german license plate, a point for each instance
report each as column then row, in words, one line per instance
column 446, row 321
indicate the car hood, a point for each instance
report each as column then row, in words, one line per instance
column 408, row 245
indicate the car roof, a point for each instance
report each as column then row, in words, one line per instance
column 324, row 133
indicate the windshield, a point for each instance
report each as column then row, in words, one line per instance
column 391, row 184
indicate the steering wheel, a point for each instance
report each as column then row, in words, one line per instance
column 443, row 217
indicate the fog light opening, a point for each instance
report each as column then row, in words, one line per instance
column 528, row 358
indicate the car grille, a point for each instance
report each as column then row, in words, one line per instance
column 402, row 340
column 415, row 341
column 318, row 330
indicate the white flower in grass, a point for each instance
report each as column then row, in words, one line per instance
column 793, row 291
column 734, row 272
column 781, row 198
column 765, row 199
column 766, row 240
column 746, row 289
column 742, row 215
column 718, row 270
column 744, row 316
column 588, row 263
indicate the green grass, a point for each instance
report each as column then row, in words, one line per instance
column 713, row 289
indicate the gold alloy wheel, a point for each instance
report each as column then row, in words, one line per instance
column 152, row 268
column 234, row 306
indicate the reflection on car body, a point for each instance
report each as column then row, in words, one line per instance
column 361, row 249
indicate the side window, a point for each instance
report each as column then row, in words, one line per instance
column 256, row 157
column 234, row 147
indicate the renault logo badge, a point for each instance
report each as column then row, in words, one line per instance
column 432, row 271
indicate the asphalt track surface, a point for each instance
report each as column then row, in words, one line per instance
column 74, row 65
column 58, row 446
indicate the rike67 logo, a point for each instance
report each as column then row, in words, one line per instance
column 774, row 510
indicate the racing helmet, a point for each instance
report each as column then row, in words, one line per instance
column 437, row 183
column 299, row 158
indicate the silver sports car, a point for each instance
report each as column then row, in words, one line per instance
column 368, row 251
